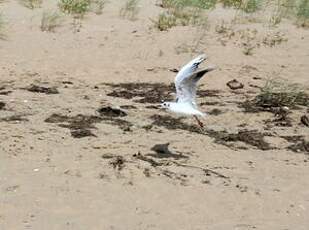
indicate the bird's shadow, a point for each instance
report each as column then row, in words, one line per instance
column 162, row 151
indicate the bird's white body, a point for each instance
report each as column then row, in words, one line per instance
column 185, row 108
column 186, row 83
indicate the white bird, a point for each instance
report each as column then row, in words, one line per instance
column 186, row 83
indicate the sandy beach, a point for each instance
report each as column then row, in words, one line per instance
column 84, row 143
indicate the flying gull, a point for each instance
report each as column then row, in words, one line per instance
column 186, row 83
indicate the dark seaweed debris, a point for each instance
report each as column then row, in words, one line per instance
column 250, row 137
column 215, row 112
column 299, row 144
column 79, row 125
column 117, row 162
column 172, row 123
column 111, row 112
column 272, row 102
column 148, row 92
column 151, row 92
column 304, row 120
column 42, row 89
column 2, row 105
column 16, row 118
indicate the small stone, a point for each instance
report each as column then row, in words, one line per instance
column 234, row 84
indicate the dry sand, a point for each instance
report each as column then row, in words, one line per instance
column 63, row 165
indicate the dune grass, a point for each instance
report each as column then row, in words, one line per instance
column 97, row 6
column 182, row 12
column 74, row 7
column 50, row 20
column 2, row 27
column 31, row 4
column 302, row 13
column 130, row 9
column 78, row 8
column 278, row 93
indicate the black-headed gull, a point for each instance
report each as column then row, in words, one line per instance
column 186, row 83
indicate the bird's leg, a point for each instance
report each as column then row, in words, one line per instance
column 198, row 121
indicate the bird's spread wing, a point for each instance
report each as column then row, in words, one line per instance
column 186, row 80
column 189, row 68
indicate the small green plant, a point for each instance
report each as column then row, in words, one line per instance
column 165, row 21
column 282, row 9
column 202, row 4
column 97, row 6
column 75, row 7
column 31, row 4
column 251, row 6
column 231, row 3
column 130, row 9
column 181, row 12
column 50, row 20
column 277, row 93
column 303, row 13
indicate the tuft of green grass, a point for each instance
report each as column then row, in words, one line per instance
column 75, row 7
column 231, row 3
column 183, row 12
column 130, row 9
column 277, row 93
column 165, row 21
column 302, row 13
column 251, row 6
column 97, row 6
column 31, row 4
column 50, row 20
column 202, row 4
column 282, row 9
column 78, row 8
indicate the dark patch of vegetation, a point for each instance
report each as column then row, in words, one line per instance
column 211, row 103
column 42, row 89
column 122, row 124
column 151, row 92
column 111, row 112
column 299, row 144
column 275, row 95
column 118, row 162
column 304, row 120
column 172, row 123
column 79, row 125
column 107, row 156
column 79, row 133
column 16, row 118
column 215, row 112
column 2, row 105
column 208, row 93
column 5, row 92
column 128, row 107
column 250, row 137
column 148, row 92
column 151, row 161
